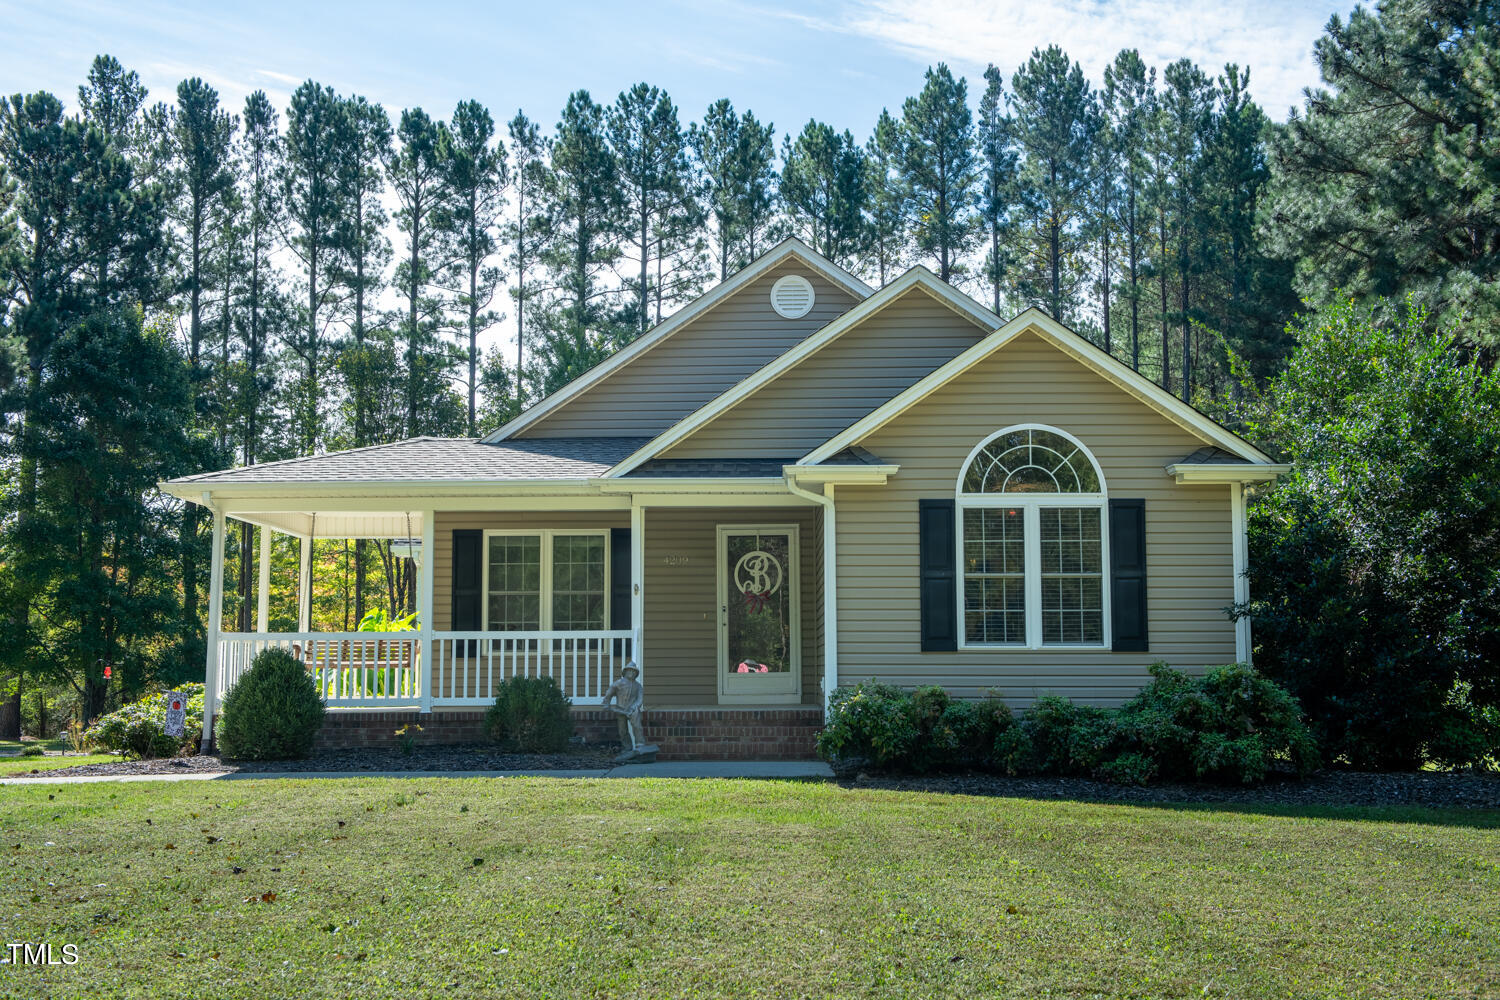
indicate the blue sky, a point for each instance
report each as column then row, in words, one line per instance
column 838, row 60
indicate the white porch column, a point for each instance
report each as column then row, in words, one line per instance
column 425, row 607
column 215, row 612
column 1241, row 548
column 304, row 583
column 637, row 578
column 263, row 583
column 830, row 599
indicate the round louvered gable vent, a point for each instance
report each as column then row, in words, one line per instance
column 792, row 296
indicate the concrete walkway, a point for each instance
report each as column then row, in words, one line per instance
column 663, row 769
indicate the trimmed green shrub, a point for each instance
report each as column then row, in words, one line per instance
column 33, row 750
column 1055, row 736
column 869, row 722
column 1228, row 725
column 531, row 715
column 135, row 730
column 273, row 712
column 882, row 726
column 1231, row 724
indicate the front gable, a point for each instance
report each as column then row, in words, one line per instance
column 693, row 356
column 840, row 382
column 1031, row 381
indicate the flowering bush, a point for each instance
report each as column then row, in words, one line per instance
column 135, row 730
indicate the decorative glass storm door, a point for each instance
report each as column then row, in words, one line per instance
column 760, row 656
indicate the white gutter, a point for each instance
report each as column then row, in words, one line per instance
column 830, row 586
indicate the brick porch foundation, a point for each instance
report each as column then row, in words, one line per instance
column 681, row 733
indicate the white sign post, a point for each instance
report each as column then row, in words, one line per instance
column 176, row 713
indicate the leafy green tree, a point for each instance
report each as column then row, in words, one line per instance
column 418, row 175
column 1373, row 564
column 114, row 102
column 364, row 147
column 1051, row 107
column 940, row 167
column 314, row 200
column 504, row 394
column 114, row 422
column 823, row 186
column 1129, row 104
column 527, row 232
column 737, row 158
column 997, row 179
column 889, row 204
column 202, row 136
column 1187, row 104
column 585, row 210
column 650, row 153
column 1386, row 183
column 476, row 181
column 1251, row 297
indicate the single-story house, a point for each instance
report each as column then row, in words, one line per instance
column 795, row 482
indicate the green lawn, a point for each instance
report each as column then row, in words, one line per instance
column 541, row 887
column 14, row 746
column 25, row 765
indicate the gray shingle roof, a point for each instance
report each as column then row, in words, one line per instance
column 1213, row 456
column 451, row 459
column 712, row 468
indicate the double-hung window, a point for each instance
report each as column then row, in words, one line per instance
column 544, row 581
column 1031, row 530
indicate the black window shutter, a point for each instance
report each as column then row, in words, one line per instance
column 939, row 594
column 1127, row 575
column 468, row 582
column 619, row 578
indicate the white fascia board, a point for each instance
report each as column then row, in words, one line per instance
column 1221, row 473
column 789, row 247
column 917, row 277
column 1035, row 321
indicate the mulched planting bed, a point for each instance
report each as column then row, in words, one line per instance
column 1465, row 790
column 458, row 757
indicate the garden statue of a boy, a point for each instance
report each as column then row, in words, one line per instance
column 628, row 700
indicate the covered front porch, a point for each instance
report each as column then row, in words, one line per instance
column 717, row 596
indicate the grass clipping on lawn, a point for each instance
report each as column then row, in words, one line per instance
column 528, row 887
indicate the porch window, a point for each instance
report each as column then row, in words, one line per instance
column 546, row 581
column 1030, row 507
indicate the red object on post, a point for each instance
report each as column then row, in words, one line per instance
column 106, row 671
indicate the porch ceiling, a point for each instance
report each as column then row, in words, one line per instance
column 337, row 524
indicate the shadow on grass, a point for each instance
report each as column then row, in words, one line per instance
column 1271, row 799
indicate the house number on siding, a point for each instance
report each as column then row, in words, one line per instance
column 675, row 560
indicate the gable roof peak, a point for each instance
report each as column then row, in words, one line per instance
column 787, row 248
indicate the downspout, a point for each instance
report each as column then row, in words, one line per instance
column 830, row 585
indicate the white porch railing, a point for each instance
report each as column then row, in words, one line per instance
column 385, row 669
column 467, row 666
column 351, row 668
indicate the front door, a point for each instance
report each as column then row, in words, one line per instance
column 760, row 654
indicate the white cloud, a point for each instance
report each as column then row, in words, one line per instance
column 1274, row 39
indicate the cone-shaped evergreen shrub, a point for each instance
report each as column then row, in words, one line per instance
column 530, row 714
column 273, row 713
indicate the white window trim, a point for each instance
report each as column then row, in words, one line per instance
column 1030, row 505
column 547, row 535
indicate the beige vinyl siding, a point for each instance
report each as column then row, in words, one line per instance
column 698, row 362
column 680, row 640
column 1188, row 533
column 838, row 384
